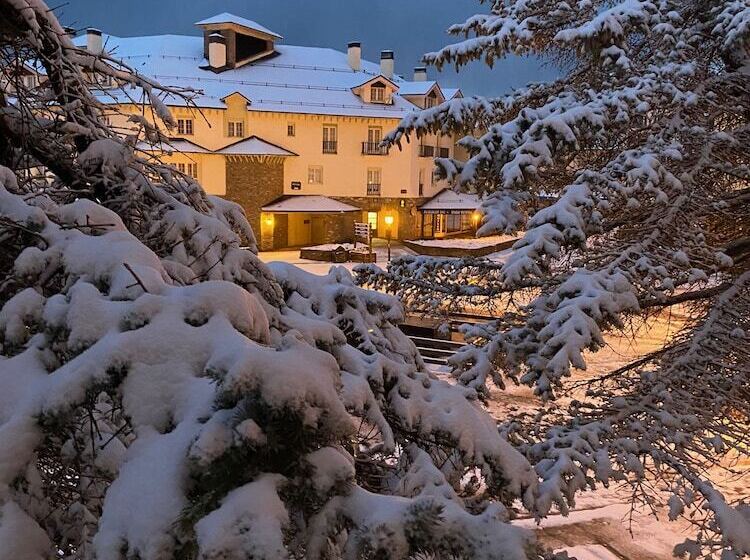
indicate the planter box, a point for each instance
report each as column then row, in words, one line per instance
column 315, row 255
column 337, row 255
column 358, row 257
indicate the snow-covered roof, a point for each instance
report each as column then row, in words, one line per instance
column 173, row 145
column 254, row 146
column 450, row 93
column 415, row 88
column 226, row 17
column 308, row 203
column 451, row 200
column 311, row 80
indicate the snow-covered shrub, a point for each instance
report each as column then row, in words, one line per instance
column 164, row 394
column 641, row 149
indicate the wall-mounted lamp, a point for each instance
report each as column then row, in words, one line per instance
column 475, row 217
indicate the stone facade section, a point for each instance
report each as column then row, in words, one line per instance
column 409, row 218
column 253, row 182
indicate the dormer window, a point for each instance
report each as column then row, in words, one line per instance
column 431, row 100
column 377, row 93
column 231, row 41
column 376, row 90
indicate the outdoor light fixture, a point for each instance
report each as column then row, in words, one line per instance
column 475, row 217
column 388, row 219
column 269, row 220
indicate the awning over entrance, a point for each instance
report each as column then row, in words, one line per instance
column 251, row 146
column 449, row 201
column 171, row 145
column 311, row 204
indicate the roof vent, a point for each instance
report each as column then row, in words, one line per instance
column 420, row 74
column 354, row 55
column 94, row 41
column 387, row 64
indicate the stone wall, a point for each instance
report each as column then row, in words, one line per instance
column 252, row 182
column 409, row 219
column 339, row 227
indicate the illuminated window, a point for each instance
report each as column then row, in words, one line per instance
column 372, row 219
column 315, row 174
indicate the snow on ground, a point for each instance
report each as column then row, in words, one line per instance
column 600, row 528
column 317, row 267
column 333, row 246
column 464, row 242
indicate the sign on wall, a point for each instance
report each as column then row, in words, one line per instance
column 296, row 186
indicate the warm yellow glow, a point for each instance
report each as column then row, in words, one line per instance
column 475, row 217
column 269, row 220
column 388, row 219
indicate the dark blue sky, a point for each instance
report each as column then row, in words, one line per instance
column 408, row 27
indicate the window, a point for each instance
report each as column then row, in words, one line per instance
column 377, row 93
column 375, row 135
column 190, row 169
column 330, row 139
column 29, row 81
column 291, row 130
column 373, row 181
column 421, row 182
column 431, row 100
column 185, row 126
column 372, row 219
column 315, row 174
column 372, row 147
column 236, row 128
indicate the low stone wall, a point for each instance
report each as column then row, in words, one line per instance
column 339, row 255
column 457, row 252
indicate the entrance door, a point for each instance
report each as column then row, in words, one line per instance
column 318, row 231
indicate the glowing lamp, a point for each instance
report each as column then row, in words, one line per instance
column 388, row 219
column 269, row 220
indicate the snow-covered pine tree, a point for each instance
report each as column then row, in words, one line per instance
column 164, row 394
column 642, row 145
